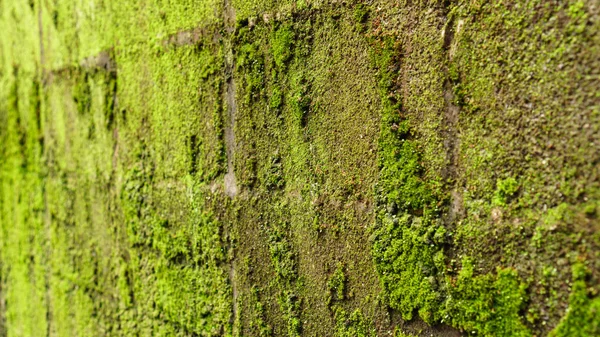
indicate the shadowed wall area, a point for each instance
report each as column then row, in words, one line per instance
column 299, row 168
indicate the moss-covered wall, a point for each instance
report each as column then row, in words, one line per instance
column 299, row 168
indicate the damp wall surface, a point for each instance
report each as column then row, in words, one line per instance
column 299, row 168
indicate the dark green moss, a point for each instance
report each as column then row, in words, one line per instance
column 361, row 16
column 82, row 92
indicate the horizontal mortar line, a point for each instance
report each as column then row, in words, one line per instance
column 103, row 61
column 194, row 36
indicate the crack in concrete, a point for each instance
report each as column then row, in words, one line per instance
column 231, row 187
column 450, row 134
column 230, row 180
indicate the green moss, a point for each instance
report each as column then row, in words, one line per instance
column 361, row 16
column 264, row 330
column 273, row 174
column 337, row 285
column 405, row 257
column 404, row 250
column 276, row 99
column 284, row 262
column 352, row 325
column 282, row 256
column 113, row 219
column 300, row 99
column 505, row 189
column 576, row 10
column 399, row 333
column 251, row 60
column 282, row 43
column 400, row 183
column 582, row 317
column 489, row 305
column 591, row 209
column 291, row 310
column 81, row 93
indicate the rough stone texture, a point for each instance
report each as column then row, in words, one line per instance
column 299, row 167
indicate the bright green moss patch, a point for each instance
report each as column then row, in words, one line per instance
column 406, row 262
column 460, row 137
column 489, row 305
column 505, row 189
column 282, row 44
column 258, row 323
column 404, row 250
column 284, row 262
column 582, row 317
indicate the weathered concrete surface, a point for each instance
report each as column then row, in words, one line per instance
column 299, row 167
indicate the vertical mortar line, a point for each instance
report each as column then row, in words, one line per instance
column 231, row 188
column 41, row 32
column 41, row 37
column 230, row 182
column 450, row 131
column 46, row 217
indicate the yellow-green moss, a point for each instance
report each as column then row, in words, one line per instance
column 459, row 136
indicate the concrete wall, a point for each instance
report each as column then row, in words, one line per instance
column 299, row 168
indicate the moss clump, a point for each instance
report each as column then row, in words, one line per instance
column 361, row 16
column 301, row 100
column 583, row 315
column 282, row 256
column 276, row 100
column 258, row 323
column 290, row 304
column 405, row 249
column 82, row 93
column 489, row 305
column 408, row 262
column 399, row 333
column 283, row 260
column 353, row 325
column 337, row 285
column 251, row 60
column 401, row 186
column 272, row 174
column 505, row 189
column 282, row 43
